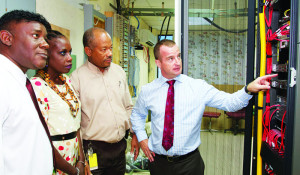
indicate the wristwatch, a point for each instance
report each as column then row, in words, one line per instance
column 248, row 92
column 132, row 134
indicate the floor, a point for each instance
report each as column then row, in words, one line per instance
column 222, row 153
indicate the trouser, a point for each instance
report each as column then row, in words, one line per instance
column 110, row 156
column 189, row 164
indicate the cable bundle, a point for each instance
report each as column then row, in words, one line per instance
column 284, row 30
column 273, row 136
column 267, row 120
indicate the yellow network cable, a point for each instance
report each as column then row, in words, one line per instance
column 285, row 12
column 261, row 94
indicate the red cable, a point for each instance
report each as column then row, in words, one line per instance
column 265, row 133
column 282, row 132
column 280, row 32
column 269, row 59
column 271, row 119
column 266, row 121
column 145, row 51
column 268, row 20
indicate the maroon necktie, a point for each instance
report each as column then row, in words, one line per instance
column 33, row 97
column 168, row 133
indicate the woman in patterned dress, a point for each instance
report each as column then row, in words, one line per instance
column 60, row 105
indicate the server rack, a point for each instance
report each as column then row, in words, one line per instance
column 287, row 162
column 278, row 120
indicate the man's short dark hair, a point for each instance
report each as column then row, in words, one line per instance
column 19, row 16
column 165, row 42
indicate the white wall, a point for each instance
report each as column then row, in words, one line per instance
column 61, row 14
column 69, row 16
column 104, row 5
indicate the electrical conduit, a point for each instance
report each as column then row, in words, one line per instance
column 261, row 94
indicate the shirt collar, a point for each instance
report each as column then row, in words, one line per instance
column 163, row 80
column 94, row 68
column 15, row 71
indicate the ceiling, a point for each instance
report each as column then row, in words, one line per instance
column 156, row 21
column 227, row 14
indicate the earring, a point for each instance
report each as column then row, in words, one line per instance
column 46, row 66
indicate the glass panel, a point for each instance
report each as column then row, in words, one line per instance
column 217, row 53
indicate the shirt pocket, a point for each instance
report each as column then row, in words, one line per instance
column 119, row 87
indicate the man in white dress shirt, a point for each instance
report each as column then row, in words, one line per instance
column 24, row 145
column 190, row 98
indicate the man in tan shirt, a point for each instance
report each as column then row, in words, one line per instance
column 106, row 105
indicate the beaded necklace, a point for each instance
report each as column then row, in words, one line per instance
column 45, row 76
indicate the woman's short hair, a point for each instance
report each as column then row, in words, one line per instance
column 53, row 34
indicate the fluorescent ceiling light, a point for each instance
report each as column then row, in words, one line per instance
column 196, row 21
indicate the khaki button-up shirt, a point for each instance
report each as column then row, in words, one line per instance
column 106, row 102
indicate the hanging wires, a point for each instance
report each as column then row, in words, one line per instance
column 225, row 30
column 168, row 27
column 268, row 20
column 267, row 120
column 146, row 55
column 282, row 31
column 162, row 27
column 138, row 22
column 282, row 134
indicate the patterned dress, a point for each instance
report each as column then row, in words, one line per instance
column 58, row 117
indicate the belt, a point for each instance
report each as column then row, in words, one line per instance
column 177, row 158
column 103, row 143
column 64, row 136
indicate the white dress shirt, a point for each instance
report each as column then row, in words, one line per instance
column 24, row 144
column 190, row 98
